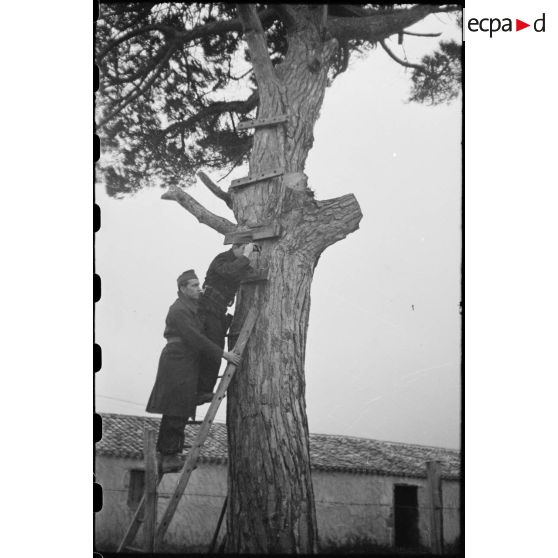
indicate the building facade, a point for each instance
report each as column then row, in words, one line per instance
column 365, row 490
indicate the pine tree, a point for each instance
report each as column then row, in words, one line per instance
column 169, row 104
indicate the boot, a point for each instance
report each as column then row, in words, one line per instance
column 204, row 398
column 170, row 463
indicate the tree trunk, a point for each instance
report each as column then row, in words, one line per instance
column 270, row 486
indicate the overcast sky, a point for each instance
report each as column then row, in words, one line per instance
column 383, row 354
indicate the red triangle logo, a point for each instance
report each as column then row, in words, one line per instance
column 519, row 25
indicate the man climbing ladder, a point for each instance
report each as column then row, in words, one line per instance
column 175, row 394
column 193, row 454
column 188, row 369
column 221, row 284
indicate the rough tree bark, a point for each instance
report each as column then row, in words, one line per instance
column 270, row 487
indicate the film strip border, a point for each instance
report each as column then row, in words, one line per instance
column 97, row 351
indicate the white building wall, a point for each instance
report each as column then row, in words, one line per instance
column 347, row 506
column 451, row 501
column 194, row 522
column 352, row 505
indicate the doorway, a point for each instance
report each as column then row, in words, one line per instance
column 405, row 511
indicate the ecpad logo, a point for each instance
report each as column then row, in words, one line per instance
column 494, row 24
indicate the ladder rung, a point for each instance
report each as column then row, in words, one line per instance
column 133, row 549
column 195, row 422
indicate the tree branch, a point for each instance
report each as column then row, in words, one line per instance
column 380, row 25
column 235, row 164
column 442, row 8
column 142, row 71
column 332, row 220
column 140, row 89
column 220, row 27
column 221, row 194
column 399, row 60
column 213, row 28
column 203, row 215
column 178, row 39
column 242, row 76
column 253, row 31
column 421, row 34
column 211, row 110
column 340, row 217
column 354, row 9
column 287, row 14
column 165, row 29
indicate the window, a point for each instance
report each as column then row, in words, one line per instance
column 136, row 488
column 405, row 511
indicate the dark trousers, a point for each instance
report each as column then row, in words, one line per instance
column 171, row 434
column 215, row 328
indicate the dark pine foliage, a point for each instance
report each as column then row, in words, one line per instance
column 441, row 80
column 170, row 98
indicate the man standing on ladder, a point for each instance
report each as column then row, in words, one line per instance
column 221, row 283
column 175, row 394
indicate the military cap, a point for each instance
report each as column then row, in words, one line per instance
column 185, row 277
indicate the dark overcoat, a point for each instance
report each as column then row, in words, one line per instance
column 174, row 392
column 221, row 283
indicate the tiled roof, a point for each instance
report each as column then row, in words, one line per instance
column 123, row 437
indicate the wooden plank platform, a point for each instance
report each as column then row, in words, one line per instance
column 239, row 182
column 261, row 232
column 258, row 123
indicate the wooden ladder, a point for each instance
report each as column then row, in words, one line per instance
column 193, row 453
